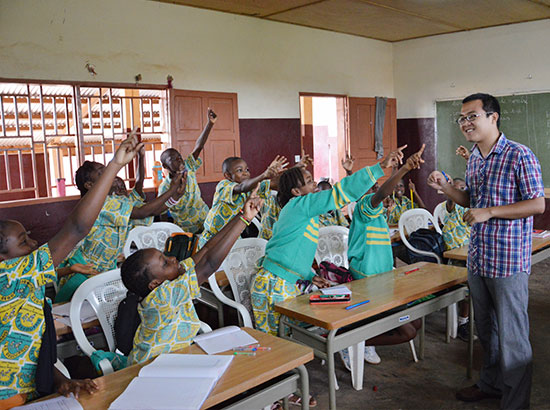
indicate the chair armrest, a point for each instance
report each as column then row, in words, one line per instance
column 245, row 314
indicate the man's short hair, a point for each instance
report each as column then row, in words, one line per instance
column 489, row 103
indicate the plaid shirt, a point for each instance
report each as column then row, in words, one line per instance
column 510, row 173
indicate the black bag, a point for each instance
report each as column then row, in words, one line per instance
column 181, row 245
column 426, row 240
column 126, row 323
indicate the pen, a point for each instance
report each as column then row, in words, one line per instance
column 411, row 271
column 412, row 200
column 445, row 175
column 245, row 353
column 357, row 304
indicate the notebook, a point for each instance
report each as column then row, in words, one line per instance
column 223, row 339
column 57, row 403
column 173, row 381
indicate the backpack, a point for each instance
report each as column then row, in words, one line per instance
column 334, row 273
column 181, row 245
column 126, row 323
column 426, row 240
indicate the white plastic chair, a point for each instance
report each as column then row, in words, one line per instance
column 440, row 212
column 240, row 267
column 152, row 236
column 412, row 220
column 333, row 245
column 104, row 292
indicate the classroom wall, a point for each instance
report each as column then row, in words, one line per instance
column 266, row 63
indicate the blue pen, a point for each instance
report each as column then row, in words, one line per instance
column 357, row 304
column 445, row 175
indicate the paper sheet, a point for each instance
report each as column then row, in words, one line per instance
column 61, row 313
column 336, row 290
column 57, row 403
column 224, row 339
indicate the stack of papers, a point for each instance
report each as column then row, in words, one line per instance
column 539, row 233
column 57, row 403
column 223, row 339
column 336, row 290
column 173, row 381
column 61, row 313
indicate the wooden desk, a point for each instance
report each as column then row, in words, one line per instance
column 541, row 251
column 385, row 291
column 244, row 373
column 63, row 329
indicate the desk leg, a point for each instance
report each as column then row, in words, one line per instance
column 331, row 373
column 422, row 338
column 304, row 386
column 471, row 339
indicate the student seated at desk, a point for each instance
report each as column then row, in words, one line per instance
column 27, row 335
column 103, row 245
column 456, row 233
column 190, row 211
column 232, row 192
column 166, row 288
column 370, row 253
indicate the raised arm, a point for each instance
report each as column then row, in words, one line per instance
column 140, row 174
column 438, row 181
column 81, row 219
column 199, row 145
column 211, row 255
column 347, row 164
column 160, row 203
column 416, row 195
column 275, row 168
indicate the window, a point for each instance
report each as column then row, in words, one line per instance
column 48, row 130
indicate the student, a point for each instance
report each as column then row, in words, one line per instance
column 25, row 269
column 190, row 211
column 504, row 190
column 103, row 245
column 402, row 203
column 166, row 288
column 456, row 233
column 232, row 192
column 370, row 252
column 335, row 217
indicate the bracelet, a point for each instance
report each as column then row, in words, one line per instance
column 170, row 202
column 242, row 218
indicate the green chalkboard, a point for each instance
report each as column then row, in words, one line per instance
column 523, row 118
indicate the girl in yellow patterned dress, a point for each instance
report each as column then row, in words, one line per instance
column 166, row 288
column 25, row 269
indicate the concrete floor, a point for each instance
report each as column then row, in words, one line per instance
column 431, row 383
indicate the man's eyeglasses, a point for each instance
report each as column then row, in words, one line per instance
column 470, row 118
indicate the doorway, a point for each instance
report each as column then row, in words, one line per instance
column 324, row 133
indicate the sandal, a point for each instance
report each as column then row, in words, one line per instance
column 297, row 400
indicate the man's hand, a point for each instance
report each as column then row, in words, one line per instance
column 276, row 167
column 394, row 158
column 212, row 116
column 477, row 215
column 347, row 164
column 320, row 282
column 463, row 152
column 437, row 180
column 128, row 149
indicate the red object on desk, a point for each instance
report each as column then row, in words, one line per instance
column 411, row 271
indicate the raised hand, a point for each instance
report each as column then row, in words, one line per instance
column 394, row 158
column 276, row 167
column 212, row 116
column 415, row 160
column 388, row 203
column 253, row 205
column 305, row 160
column 128, row 149
column 178, row 185
column 463, row 152
column 347, row 164
column 437, row 180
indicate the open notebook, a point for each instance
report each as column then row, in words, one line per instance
column 173, row 381
column 223, row 339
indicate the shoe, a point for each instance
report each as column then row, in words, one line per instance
column 344, row 355
column 474, row 393
column 463, row 332
column 371, row 356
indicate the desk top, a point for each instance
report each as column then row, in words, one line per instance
column 244, row 372
column 461, row 253
column 385, row 291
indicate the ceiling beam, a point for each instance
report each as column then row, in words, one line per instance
column 293, row 8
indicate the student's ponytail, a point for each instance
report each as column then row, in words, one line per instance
column 290, row 179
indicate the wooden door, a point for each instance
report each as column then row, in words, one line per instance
column 361, row 130
column 187, row 119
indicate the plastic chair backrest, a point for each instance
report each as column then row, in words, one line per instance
column 152, row 236
column 439, row 213
column 412, row 220
column 104, row 292
column 333, row 245
column 351, row 208
column 240, row 266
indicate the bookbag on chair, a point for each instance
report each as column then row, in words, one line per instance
column 426, row 240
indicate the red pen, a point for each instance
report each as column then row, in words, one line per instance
column 411, row 271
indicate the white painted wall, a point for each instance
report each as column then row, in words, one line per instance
column 496, row 60
column 266, row 63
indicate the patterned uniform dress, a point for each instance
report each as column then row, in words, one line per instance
column 270, row 214
column 400, row 206
column 456, row 232
column 190, row 211
column 138, row 201
column 333, row 218
column 22, row 291
column 168, row 318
